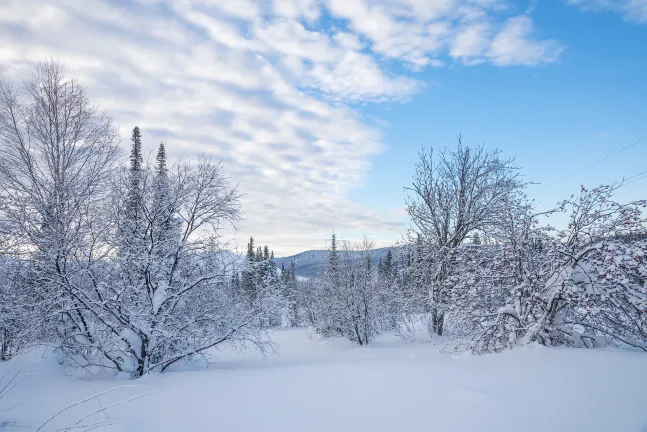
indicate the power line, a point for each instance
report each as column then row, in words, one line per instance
column 634, row 176
column 643, row 174
column 593, row 164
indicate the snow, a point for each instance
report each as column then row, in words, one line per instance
column 316, row 384
column 159, row 297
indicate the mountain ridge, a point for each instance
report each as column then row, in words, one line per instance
column 309, row 263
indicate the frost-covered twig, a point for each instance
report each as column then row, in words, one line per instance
column 58, row 413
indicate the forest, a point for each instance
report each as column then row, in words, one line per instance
column 122, row 262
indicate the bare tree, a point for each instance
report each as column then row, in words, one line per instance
column 453, row 195
column 57, row 151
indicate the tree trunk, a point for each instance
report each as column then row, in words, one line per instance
column 142, row 358
column 437, row 321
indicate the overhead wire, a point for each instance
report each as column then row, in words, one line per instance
column 592, row 165
column 633, row 179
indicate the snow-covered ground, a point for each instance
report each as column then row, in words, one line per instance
column 331, row 385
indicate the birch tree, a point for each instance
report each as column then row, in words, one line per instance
column 57, row 152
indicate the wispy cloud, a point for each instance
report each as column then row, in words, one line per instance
column 270, row 86
column 631, row 10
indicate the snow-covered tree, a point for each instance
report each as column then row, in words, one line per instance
column 118, row 267
column 512, row 267
column 582, row 287
column 248, row 278
column 290, row 293
column 57, row 153
column 348, row 298
column 178, row 304
column 452, row 196
column 19, row 311
column 597, row 284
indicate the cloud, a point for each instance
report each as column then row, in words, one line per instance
column 631, row 10
column 514, row 45
column 273, row 87
column 470, row 43
column 422, row 33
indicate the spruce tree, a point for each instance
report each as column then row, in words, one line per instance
column 292, row 299
column 164, row 233
column 284, row 278
column 132, row 246
column 476, row 239
column 134, row 209
column 249, row 272
column 387, row 267
column 333, row 261
column 293, row 273
column 250, row 250
column 136, row 158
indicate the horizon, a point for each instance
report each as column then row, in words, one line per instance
column 319, row 107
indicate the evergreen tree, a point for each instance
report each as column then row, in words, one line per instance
column 164, row 227
column 293, row 273
column 394, row 270
column 269, row 286
column 388, row 266
column 333, row 261
column 134, row 208
column 292, row 298
column 476, row 239
column 132, row 241
column 135, row 190
column 248, row 281
column 259, row 272
column 250, row 250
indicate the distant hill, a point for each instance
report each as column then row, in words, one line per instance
column 309, row 263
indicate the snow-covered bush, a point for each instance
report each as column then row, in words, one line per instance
column 583, row 286
column 349, row 299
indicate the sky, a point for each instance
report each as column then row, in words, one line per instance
column 318, row 108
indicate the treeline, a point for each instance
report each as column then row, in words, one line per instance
column 480, row 264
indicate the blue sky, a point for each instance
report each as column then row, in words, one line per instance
column 554, row 119
column 318, row 107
